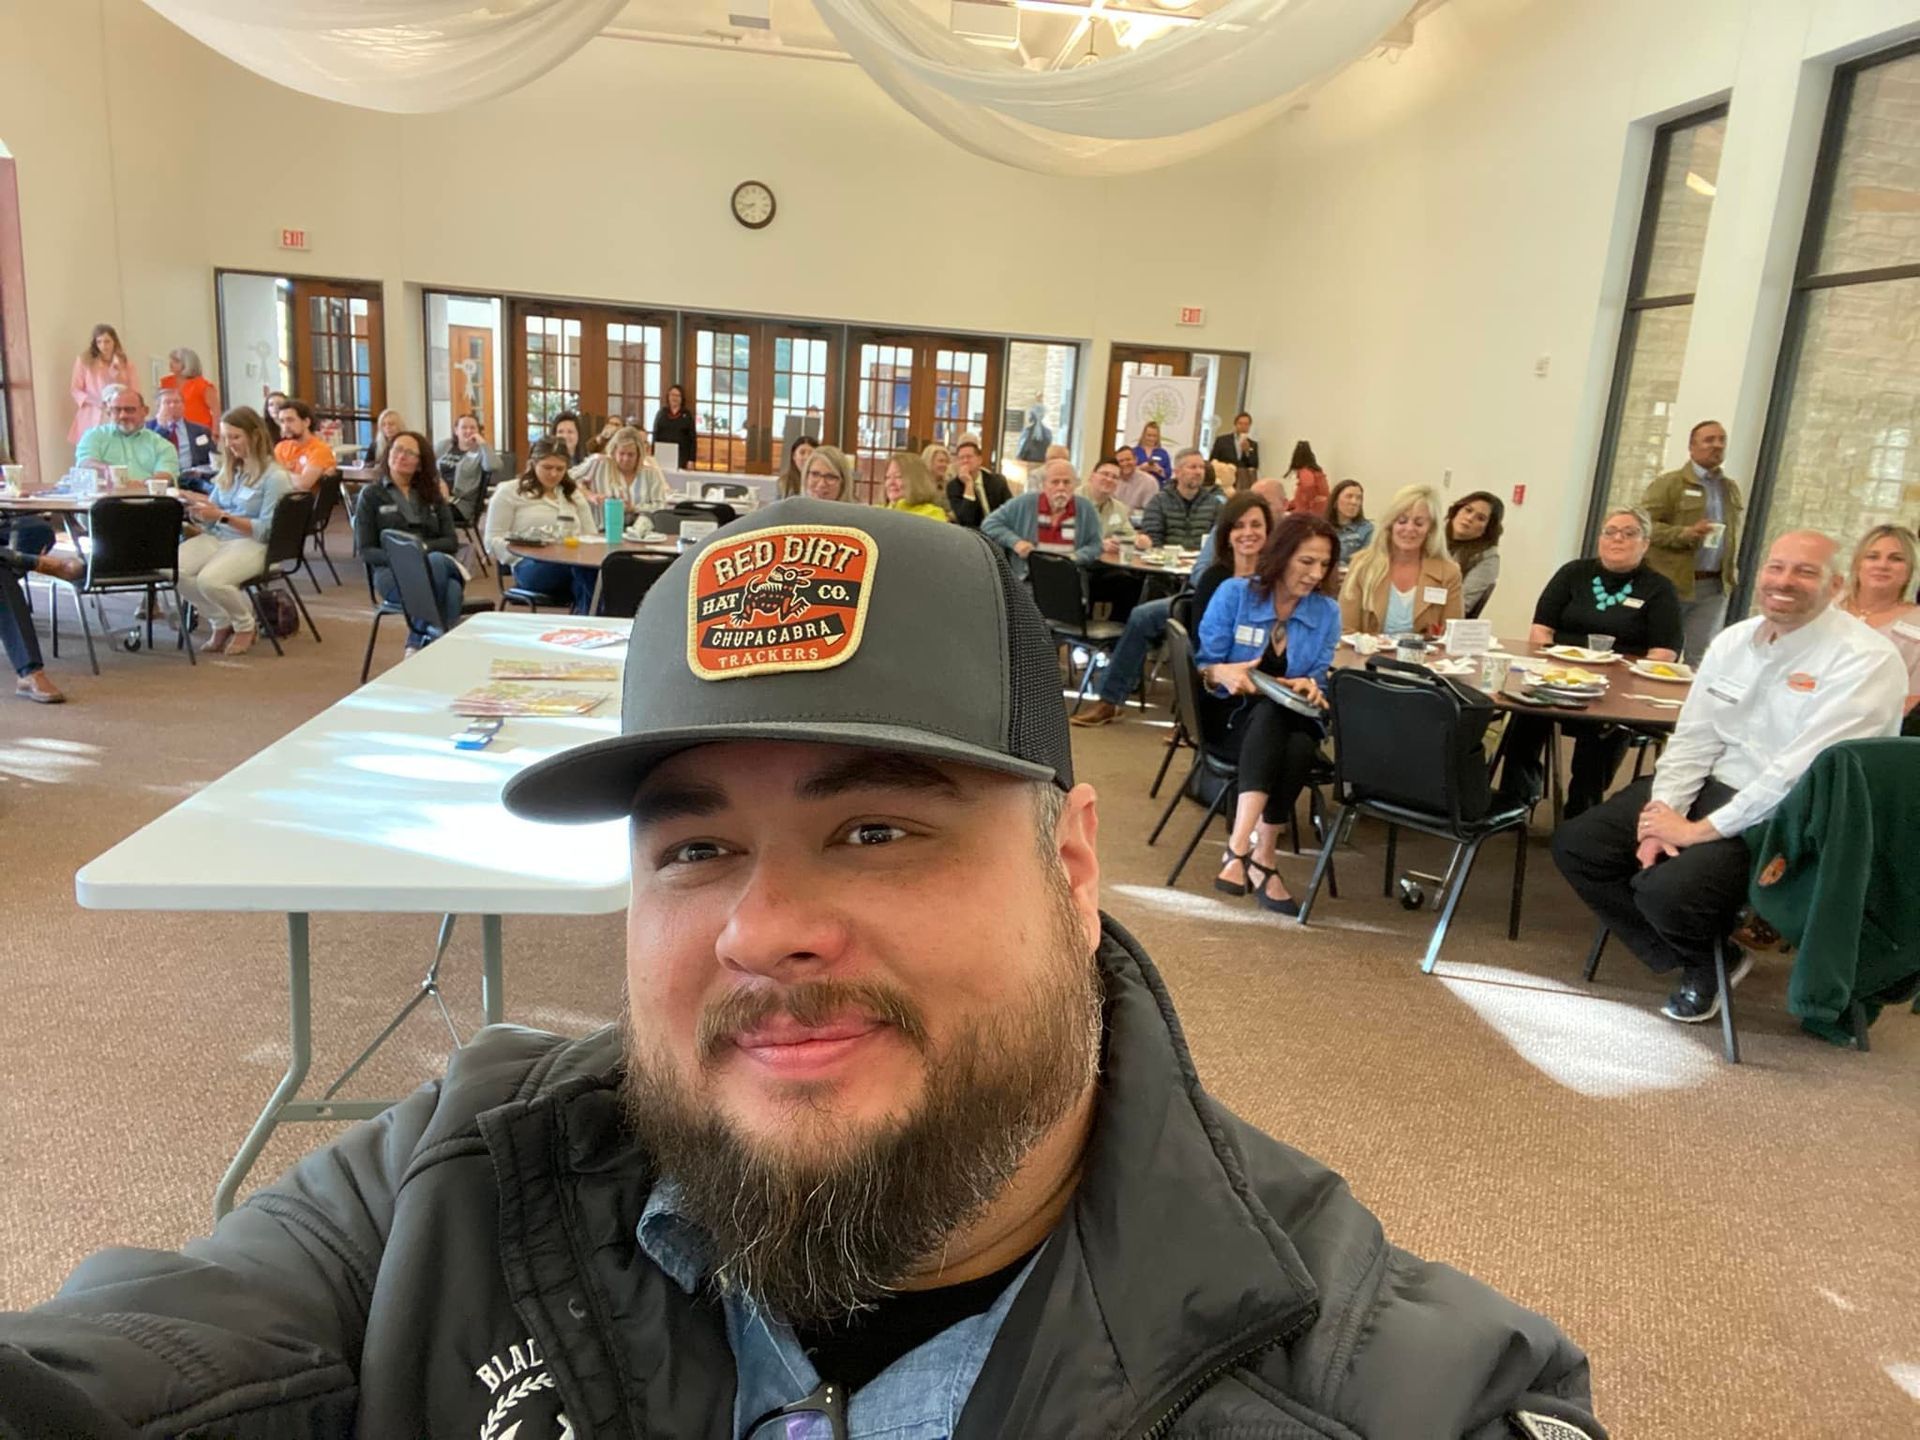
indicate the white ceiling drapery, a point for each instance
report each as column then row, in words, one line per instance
column 1188, row 91
column 403, row 56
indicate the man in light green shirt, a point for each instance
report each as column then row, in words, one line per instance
column 1116, row 525
column 125, row 440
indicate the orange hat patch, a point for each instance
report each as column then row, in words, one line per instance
column 779, row 600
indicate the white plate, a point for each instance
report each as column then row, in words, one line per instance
column 1684, row 677
column 1580, row 655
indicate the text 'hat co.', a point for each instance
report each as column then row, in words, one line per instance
column 821, row 621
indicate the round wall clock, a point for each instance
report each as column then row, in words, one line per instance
column 753, row 204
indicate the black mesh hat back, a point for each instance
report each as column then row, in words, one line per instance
column 1036, row 719
column 833, row 623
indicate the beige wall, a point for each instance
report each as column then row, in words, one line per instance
column 145, row 160
column 1441, row 223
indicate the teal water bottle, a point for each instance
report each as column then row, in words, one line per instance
column 616, row 517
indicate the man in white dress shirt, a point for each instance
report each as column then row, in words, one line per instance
column 1663, row 863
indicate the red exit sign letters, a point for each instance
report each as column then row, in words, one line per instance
column 293, row 239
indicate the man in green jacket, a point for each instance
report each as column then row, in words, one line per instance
column 1696, row 534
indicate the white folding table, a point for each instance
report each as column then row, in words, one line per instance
column 368, row 807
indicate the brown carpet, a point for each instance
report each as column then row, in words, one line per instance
column 1733, row 1246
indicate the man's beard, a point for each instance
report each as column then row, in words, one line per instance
column 821, row 1236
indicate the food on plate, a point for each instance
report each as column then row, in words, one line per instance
column 1663, row 669
column 1568, row 675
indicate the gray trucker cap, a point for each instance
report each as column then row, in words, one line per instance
column 822, row 621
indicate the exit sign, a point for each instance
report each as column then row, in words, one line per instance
column 1193, row 315
column 293, row 239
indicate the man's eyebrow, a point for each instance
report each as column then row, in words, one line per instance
column 654, row 804
column 872, row 770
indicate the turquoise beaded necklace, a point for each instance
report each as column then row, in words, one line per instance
column 1604, row 599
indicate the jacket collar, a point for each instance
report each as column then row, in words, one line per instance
column 1166, row 1267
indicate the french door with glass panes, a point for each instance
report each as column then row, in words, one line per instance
column 1124, row 362
column 908, row 391
column 598, row 362
column 754, row 386
column 339, row 357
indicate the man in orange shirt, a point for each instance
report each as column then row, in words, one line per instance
column 301, row 453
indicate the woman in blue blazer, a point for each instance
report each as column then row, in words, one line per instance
column 1284, row 622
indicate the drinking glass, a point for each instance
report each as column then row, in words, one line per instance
column 1601, row 643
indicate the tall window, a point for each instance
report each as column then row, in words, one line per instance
column 465, row 346
column 756, row 385
column 1838, row 455
column 1041, row 377
column 1653, row 333
column 599, row 362
column 911, row 390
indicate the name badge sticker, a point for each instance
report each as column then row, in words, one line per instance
column 1908, row 629
column 1632, row 602
column 1249, row 635
column 1692, row 490
column 1434, row 595
column 1730, row 691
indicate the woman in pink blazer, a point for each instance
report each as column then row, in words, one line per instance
column 101, row 364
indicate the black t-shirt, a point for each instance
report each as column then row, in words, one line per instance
column 1646, row 616
column 851, row 1352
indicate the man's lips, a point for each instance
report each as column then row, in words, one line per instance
column 782, row 1031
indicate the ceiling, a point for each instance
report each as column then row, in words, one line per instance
column 1052, row 34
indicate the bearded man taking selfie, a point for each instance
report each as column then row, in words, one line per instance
column 899, row 1134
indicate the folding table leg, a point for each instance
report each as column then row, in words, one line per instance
column 492, row 971
column 300, row 1038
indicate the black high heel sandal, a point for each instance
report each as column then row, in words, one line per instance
column 1231, row 887
column 1288, row 906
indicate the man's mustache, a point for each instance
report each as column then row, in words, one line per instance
column 811, row 1004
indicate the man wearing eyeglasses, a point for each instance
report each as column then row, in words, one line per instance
column 899, row 1135
column 125, row 440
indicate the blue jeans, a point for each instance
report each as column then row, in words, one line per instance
column 551, row 578
column 30, row 535
column 16, row 624
column 1146, row 628
column 448, row 588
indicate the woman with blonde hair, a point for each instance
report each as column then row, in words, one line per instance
column 939, row 461
column 104, row 362
column 793, row 479
column 1880, row 582
column 908, row 485
column 625, row 471
column 199, row 401
column 386, row 425
column 1402, row 580
column 829, row 474
column 232, row 523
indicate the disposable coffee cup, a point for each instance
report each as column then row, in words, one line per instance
column 117, row 476
column 1715, row 534
column 1602, row 643
column 157, row 485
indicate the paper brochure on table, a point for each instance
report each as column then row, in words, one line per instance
column 582, row 637
column 506, row 698
column 577, row 670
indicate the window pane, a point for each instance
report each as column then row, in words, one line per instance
column 884, row 409
column 1040, row 386
column 464, row 340
column 1658, row 339
column 1685, row 202
column 1847, row 462
column 1874, row 218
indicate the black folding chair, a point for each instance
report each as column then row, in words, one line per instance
column 287, row 535
column 717, row 511
column 1729, row 1033
column 625, row 578
column 413, row 578
column 1404, row 753
column 135, row 546
column 1180, row 610
column 381, row 609
column 1212, row 778
column 667, row 521
column 326, row 500
column 1480, row 605
column 1059, row 590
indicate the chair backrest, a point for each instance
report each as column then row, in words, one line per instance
column 1057, row 589
column 1199, row 720
column 1181, row 608
column 133, row 535
column 625, row 578
column 714, row 510
column 1405, row 736
column 666, row 522
column 407, row 558
column 1480, row 605
column 326, row 499
column 288, row 529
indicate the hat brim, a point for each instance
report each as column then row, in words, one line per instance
column 597, row 781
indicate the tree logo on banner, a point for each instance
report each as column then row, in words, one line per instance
column 1168, row 401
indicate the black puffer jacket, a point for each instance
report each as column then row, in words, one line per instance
column 466, row 1265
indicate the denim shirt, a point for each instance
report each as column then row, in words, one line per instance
column 918, row 1397
column 1707, row 557
column 1239, row 623
column 255, row 498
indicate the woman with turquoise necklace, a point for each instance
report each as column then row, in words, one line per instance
column 1615, row 594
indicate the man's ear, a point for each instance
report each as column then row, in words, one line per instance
column 1076, row 840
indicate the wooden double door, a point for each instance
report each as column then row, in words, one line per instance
column 907, row 391
column 339, row 356
column 598, row 362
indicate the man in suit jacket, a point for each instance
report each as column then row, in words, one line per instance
column 1687, row 505
column 194, row 443
column 1240, row 449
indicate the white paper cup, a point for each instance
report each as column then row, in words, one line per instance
column 117, row 474
column 1715, row 534
column 157, row 485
